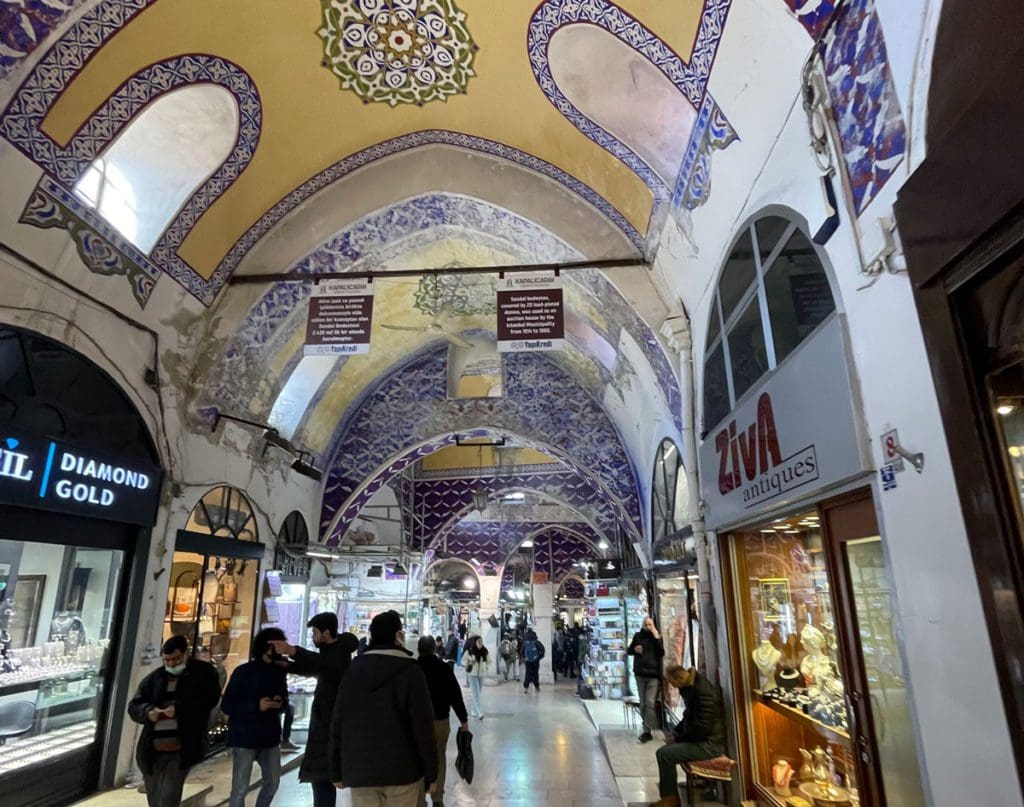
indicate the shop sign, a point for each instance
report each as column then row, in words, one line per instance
column 339, row 319
column 531, row 313
column 794, row 435
column 53, row 475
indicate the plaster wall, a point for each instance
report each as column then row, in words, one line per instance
column 941, row 628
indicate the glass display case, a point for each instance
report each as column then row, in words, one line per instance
column 677, row 612
column 794, row 683
column 57, row 618
column 605, row 668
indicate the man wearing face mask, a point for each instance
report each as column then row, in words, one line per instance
column 328, row 666
column 173, row 704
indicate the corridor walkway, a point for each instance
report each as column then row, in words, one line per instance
column 530, row 750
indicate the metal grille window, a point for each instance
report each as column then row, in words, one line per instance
column 668, row 492
column 224, row 512
column 772, row 294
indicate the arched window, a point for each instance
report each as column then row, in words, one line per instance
column 772, row 294
column 624, row 92
column 224, row 512
column 144, row 177
column 668, row 492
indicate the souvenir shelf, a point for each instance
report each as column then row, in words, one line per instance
column 606, row 617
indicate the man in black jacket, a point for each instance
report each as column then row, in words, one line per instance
column 382, row 733
column 647, row 650
column 253, row 700
column 329, row 666
column 445, row 695
column 173, row 704
column 700, row 734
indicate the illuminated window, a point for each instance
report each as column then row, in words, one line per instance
column 167, row 152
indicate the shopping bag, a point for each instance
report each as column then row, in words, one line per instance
column 464, row 762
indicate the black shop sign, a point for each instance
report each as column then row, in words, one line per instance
column 54, row 475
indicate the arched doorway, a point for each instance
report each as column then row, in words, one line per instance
column 79, row 492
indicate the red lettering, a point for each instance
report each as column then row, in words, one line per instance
column 748, row 451
column 734, row 451
column 768, row 439
column 724, row 477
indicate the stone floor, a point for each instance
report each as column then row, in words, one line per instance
column 530, row 750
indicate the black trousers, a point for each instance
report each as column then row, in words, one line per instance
column 325, row 794
column 532, row 674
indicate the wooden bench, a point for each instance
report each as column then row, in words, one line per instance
column 707, row 772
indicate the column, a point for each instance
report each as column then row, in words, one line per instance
column 490, row 592
column 543, row 606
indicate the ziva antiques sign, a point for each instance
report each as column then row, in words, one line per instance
column 799, row 432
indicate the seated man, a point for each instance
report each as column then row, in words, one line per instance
column 700, row 734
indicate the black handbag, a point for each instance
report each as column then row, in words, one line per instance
column 464, row 763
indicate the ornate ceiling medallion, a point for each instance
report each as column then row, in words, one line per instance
column 398, row 51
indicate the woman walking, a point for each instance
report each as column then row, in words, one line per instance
column 474, row 659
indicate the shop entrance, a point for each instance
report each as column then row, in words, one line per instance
column 76, row 502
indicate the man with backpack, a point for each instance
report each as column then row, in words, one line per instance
column 533, row 652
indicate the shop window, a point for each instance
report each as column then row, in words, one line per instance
column 58, row 617
column 144, row 177
column 668, row 492
column 772, row 295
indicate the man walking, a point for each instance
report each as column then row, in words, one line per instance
column 445, row 695
column 647, row 650
column 533, row 652
column 253, row 700
column 329, row 667
column 382, row 733
column 173, row 704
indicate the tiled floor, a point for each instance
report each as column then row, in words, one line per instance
column 531, row 750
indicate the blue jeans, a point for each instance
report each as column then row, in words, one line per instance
column 242, row 759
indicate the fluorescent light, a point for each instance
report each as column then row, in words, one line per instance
column 313, row 554
column 1005, row 409
column 515, row 496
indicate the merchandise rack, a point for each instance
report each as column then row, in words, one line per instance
column 606, row 617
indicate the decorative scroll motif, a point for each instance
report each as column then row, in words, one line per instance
column 864, row 101
column 97, row 243
column 398, row 51
column 712, row 132
column 24, row 25
column 21, row 125
column 691, row 78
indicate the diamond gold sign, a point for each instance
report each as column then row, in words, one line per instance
column 398, row 51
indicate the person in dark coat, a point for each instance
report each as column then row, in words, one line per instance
column 699, row 735
column 647, row 650
column 173, row 704
column 382, row 733
column 533, row 652
column 445, row 696
column 253, row 700
column 329, row 667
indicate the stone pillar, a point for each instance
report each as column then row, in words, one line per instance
column 543, row 605
column 490, row 592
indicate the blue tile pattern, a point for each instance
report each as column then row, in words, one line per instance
column 814, row 15
column 25, row 25
column 409, row 415
column 712, row 132
column 864, row 101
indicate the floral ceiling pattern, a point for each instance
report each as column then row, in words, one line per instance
column 398, row 51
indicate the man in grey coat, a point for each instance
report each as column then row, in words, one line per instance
column 382, row 734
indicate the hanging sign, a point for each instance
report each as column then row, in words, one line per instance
column 340, row 316
column 54, row 475
column 531, row 313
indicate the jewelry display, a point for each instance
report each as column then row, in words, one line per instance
column 19, row 752
column 766, row 659
column 782, row 773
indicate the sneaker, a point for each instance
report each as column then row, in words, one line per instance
column 646, row 737
column 288, row 745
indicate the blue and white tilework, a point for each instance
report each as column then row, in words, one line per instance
column 25, row 25
column 712, row 132
column 543, row 406
column 864, row 101
column 814, row 15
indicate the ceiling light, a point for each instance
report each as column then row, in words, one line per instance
column 527, row 544
column 468, row 583
column 603, row 545
column 314, row 554
column 1005, row 409
column 516, row 496
column 474, row 561
column 609, row 566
